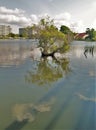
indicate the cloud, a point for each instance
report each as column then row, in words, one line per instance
column 84, row 98
column 14, row 17
column 63, row 16
column 16, row 11
column 62, row 19
column 34, row 18
column 77, row 26
column 66, row 19
column 19, row 18
column 29, row 111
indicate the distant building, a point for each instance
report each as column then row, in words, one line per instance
column 5, row 30
column 80, row 36
column 26, row 32
column 21, row 31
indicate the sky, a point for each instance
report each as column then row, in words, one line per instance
column 76, row 14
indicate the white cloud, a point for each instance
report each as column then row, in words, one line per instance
column 77, row 26
column 63, row 16
column 13, row 17
column 34, row 18
column 62, row 19
column 66, row 19
column 4, row 10
column 18, row 18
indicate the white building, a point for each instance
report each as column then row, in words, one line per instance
column 4, row 30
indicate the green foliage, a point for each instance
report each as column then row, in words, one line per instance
column 64, row 29
column 25, row 33
column 9, row 36
column 94, row 35
column 12, row 35
column 91, row 34
column 47, row 73
column 69, row 34
column 50, row 38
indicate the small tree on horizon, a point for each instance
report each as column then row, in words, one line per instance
column 91, row 34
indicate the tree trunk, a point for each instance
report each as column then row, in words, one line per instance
column 48, row 54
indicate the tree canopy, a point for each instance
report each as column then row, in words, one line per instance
column 50, row 38
column 91, row 34
column 64, row 29
column 69, row 34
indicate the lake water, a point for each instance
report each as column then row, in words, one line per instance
column 45, row 94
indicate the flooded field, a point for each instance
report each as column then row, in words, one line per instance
column 38, row 94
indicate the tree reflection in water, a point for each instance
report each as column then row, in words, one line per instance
column 47, row 71
column 17, row 125
column 90, row 50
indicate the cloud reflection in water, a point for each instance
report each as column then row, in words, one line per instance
column 82, row 97
column 24, row 113
column 29, row 111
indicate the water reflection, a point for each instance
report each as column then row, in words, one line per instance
column 48, row 71
column 82, row 97
column 13, row 54
column 37, row 106
column 86, row 51
column 24, row 113
column 16, row 125
column 90, row 50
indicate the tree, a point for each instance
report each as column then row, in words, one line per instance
column 12, row 35
column 91, row 34
column 50, row 38
column 94, row 35
column 66, row 30
column 25, row 32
